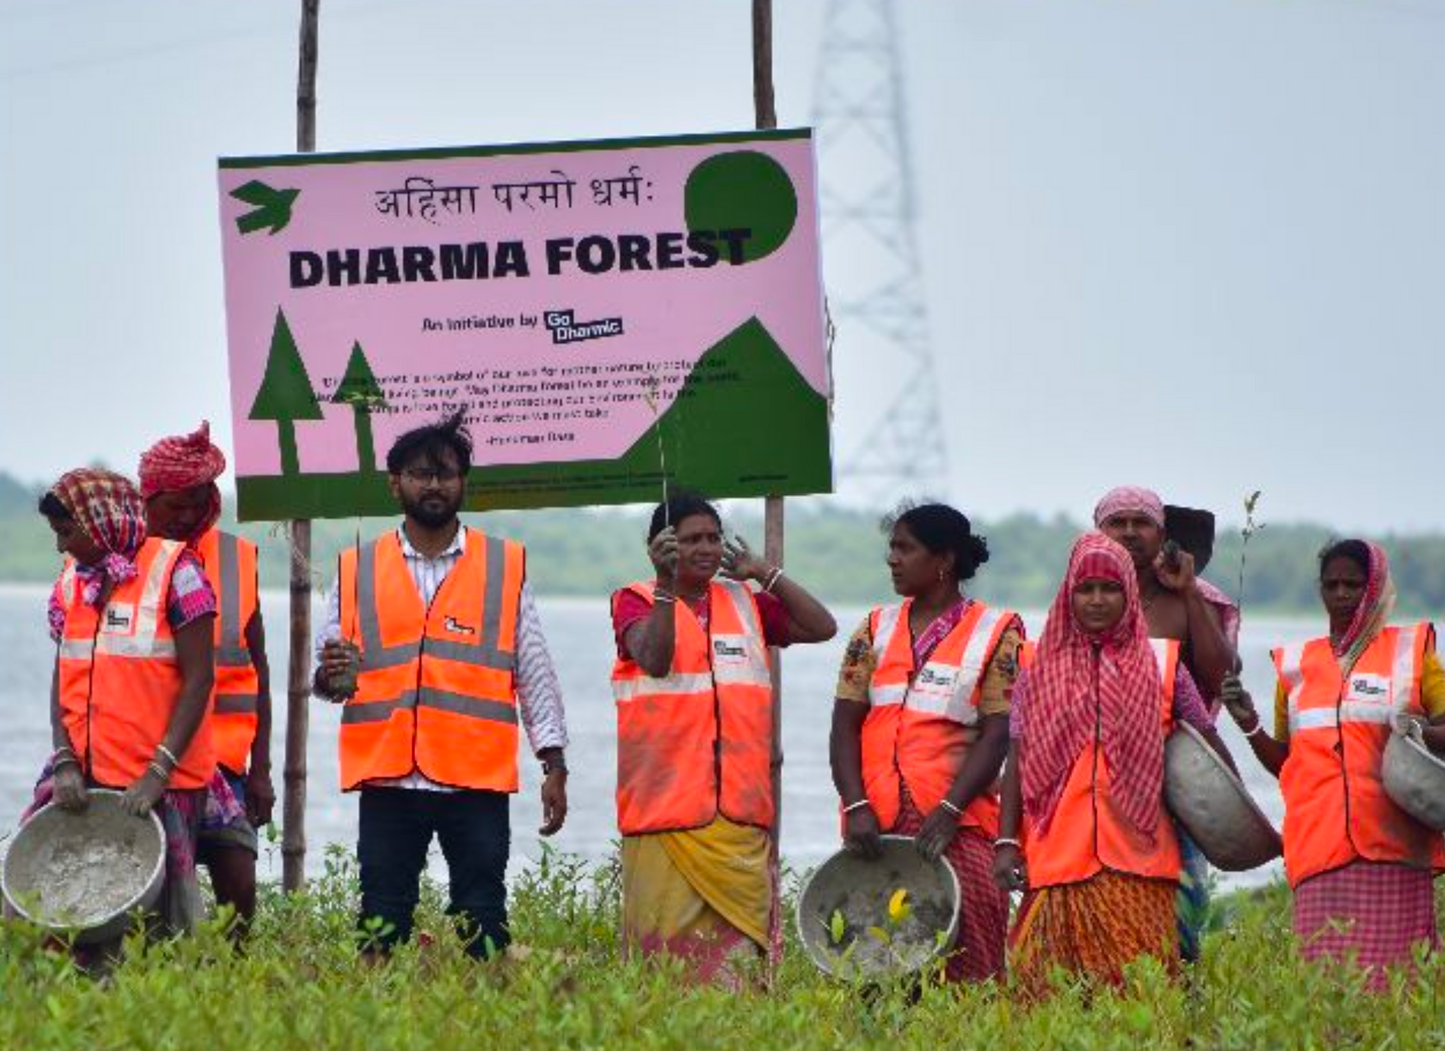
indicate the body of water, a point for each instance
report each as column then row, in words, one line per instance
column 580, row 634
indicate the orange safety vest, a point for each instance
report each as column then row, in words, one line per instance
column 1088, row 834
column 119, row 680
column 920, row 722
column 1336, row 810
column 698, row 743
column 1028, row 650
column 436, row 690
column 231, row 568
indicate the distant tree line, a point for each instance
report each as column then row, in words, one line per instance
column 837, row 551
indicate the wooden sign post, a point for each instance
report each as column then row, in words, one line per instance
column 298, row 681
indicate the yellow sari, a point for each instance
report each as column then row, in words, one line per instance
column 705, row 895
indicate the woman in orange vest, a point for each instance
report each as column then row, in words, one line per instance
column 1361, row 868
column 695, row 777
column 132, row 682
column 1083, row 830
column 178, row 483
column 920, row 721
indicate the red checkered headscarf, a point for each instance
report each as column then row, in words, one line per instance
column 182, row 462
column 109, row 511
column 1070, row 665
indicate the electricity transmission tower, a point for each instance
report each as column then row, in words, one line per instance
column 875, row 282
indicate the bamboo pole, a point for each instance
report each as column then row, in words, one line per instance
column 763, row 108
column 298, row 692
column 766, row 116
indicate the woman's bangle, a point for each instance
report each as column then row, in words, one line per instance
column 658, row 595
column 171, row 756
column 1007, row 841
column 856, row 805
column 63, row 760
column 773, row 578
column 1258, row 726
column 160, row 771
column 948, row 805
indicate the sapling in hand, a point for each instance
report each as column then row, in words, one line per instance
column 1246, row 531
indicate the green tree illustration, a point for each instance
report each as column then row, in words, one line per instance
column 285, row 394
column 360, row 390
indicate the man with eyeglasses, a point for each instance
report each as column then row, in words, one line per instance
column 433, row 641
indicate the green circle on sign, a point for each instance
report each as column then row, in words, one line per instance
column 745, row 190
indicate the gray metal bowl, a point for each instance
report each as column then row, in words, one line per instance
column 1413, row 777
column 858, row 892
column 1213, row 804
column 84, row 874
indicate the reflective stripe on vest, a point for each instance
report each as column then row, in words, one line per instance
column 697, row 742
column 1087, row 835
column 118, row 637
column 1336, row 808
column 917, row 730
column 119, row 680
column 435, row 691
column 230, row 563
column 427, row 697
column 486, row 652
column 231, row 651
column 939, row 688
column 1369, row 700
column 624, row 691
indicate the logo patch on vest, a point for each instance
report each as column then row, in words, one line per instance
column 119, row 620
column 935, row 681
column 1369, row 689
column 458, row 628
column 729, row 651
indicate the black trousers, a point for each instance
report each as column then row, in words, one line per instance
column 397, row 825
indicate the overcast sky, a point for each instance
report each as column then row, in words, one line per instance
column 1189, row 243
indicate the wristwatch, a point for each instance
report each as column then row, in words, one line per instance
column 550, row 766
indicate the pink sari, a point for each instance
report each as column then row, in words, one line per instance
column 977, row 952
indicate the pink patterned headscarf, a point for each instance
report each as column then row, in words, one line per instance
column 1374, row 610
column 1129, row 498
column 1069, row 667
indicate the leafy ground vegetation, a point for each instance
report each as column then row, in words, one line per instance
column 301, row 985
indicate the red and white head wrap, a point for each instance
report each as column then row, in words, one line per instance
column 183, row 462
column 1131, row 498
column 109, row 511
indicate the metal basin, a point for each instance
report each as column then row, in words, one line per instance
column 1213, row 804
column 84, row 874
column 843, row 912
column 1414, row 778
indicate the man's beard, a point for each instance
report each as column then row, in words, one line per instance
column 434, row 516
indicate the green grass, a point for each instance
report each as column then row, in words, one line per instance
column 300, row 985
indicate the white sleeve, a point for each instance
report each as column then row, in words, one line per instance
column 539, row 694
column 331, row 624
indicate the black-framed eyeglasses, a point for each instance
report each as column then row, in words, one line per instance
column 428, row 475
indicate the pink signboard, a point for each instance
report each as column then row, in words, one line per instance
column 606, row 314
